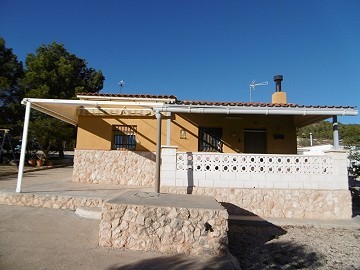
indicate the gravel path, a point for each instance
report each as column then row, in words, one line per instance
column 295, row 247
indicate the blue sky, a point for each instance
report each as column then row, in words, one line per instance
column 203, row 50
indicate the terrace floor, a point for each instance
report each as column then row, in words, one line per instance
column 58, row 181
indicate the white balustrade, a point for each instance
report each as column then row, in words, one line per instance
column 254, row 163
column 265, row 171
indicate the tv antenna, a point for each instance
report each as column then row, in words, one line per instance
column 253, row 85
column 121, row 85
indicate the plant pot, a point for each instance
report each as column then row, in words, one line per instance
column 32, row 162
column 39, row 162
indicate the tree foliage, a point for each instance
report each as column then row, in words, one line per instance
column 11, row 94
column 322, row 131
column 351, row 134
column 53, row 72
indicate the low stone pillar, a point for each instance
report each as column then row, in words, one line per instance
column 166, row 223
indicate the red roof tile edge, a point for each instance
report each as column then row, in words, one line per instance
column 216, row 103
column 126, row 95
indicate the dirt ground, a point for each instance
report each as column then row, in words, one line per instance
column 47, row 239
column 295, row 247
column 38, row 238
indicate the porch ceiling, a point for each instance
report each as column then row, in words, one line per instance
column 305, row 120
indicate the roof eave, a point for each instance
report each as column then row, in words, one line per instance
column 256, row 110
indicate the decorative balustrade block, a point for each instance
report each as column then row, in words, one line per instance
column 262, row 171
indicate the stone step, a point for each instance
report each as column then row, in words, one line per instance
column 89, row 212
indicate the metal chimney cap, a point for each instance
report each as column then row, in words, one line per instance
column 278, row 77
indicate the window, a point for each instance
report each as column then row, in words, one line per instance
column 124, row 138
column 210, row 140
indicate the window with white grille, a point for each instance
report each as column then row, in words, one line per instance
column 124, row 137
column 210, row 139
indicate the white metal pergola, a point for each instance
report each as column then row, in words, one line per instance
column 68, row 111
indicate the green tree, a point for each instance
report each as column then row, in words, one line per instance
column 351, row 134
column 53, row 72
column 11, row 94
column 323, row 132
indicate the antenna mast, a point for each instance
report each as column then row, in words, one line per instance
column 253, row 85
column 121, row 85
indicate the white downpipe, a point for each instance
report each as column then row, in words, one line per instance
column 23, row 146
column 158, row 152
column 168, row 133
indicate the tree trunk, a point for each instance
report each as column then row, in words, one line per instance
column 60, row 148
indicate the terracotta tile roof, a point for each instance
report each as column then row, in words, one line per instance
column 216, row 103
column 230, row 103
column 257, row 104
column 126, row 95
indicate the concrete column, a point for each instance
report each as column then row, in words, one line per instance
column 168, row 165
column 336, row 133
column 158, row 151
column 339, row 177
column 23, row 146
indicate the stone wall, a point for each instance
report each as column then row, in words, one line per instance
column 305, row 204
column 48, row 201
column 164, row 229
column 114, row 167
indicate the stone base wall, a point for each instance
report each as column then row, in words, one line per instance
column 48, row 201
column 114, row 167
column 164, row 229
column 282, row 203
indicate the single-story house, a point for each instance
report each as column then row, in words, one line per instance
column 242, row 153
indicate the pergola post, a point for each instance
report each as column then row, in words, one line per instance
column 336, row 133
column 158, row 151
column 23, row 146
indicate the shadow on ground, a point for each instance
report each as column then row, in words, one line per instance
column 260, row 247
column 180, row 262
column 256, row 243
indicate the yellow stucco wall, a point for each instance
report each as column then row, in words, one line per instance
column 233, row 131
column 95, row 132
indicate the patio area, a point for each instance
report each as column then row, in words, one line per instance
column 54, row 188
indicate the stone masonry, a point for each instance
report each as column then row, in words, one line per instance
column 167, row 223
column 48, row 201
column 303, row 204
column 114, row 167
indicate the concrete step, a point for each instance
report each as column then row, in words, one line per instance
column 89, row 212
